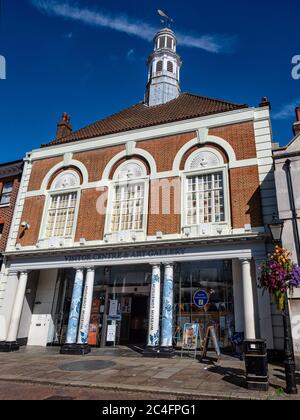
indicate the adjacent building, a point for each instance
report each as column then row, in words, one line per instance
column 133, row 227
column 287, row 174
column 10, row 177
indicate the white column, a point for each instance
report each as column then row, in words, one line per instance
column 238, row 296
column 167, row 311
column 17, row 309
column 86, row 308
column 75, row 307
column 248, row 301
column 154, row 314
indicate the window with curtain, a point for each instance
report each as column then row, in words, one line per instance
column 6, row 193
column 128, row 198
column 62, row 206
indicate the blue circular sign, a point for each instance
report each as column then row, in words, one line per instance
column 201, row 298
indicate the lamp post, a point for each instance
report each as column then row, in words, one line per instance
column 276, row 229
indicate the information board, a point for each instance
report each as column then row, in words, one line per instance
column 111, row 332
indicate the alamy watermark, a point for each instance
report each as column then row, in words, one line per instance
column 296, row 68
column 2, row 68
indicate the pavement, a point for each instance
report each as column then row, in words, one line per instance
column 122, row 370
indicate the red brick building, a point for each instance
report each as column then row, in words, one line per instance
column 10, row 177
column 135, row 226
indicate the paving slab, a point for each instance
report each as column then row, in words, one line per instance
column 124, row 369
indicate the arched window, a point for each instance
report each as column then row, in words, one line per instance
column 129, row 195
column 170, row 67
column 205, row 189
column 159, row 67
column 62, row 206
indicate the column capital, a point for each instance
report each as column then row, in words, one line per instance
column 155, row 264
column 13, row 272
column 169, row 264
column 245, row 260
column 90, row 269
column 79, row 269
column 23, row 272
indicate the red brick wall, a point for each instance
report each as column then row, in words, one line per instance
column 164, row 150
column 244, row 183
column 40, row 169
column 32, row 214
column 245, row 197
column 6, row 213
column 90, row 223
column 96, row 160
column 240, row 136
column 165, row 223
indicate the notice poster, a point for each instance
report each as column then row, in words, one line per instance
column 111, row 332
column 113, row 308
column 190, row 336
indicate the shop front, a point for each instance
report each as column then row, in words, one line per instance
column 139, row 298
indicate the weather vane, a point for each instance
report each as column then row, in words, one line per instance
column 166, row 19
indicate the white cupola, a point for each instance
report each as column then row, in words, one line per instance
column 164, row 69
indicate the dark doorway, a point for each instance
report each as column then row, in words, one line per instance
column 139, row 320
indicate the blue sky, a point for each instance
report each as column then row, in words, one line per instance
column 87, row 57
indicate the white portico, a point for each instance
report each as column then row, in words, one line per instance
column 158, row 291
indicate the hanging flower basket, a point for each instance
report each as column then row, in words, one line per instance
column 279, row 275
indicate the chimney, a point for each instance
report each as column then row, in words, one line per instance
column 265, row 102
column 64, row 127
column 296, row 127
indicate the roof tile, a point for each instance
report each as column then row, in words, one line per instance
column 186, row 106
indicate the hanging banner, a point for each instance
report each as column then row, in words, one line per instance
column 153, row 339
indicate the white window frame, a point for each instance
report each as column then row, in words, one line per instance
column 57, row 192
column 9, row 194
column 221, row 168
column 145, row 179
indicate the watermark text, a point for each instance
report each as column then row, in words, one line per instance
column 296, row 68
column 2, row 68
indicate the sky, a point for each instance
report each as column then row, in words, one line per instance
column 88, row 58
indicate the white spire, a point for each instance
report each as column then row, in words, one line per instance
column 164, row 69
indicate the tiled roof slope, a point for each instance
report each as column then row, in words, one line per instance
column 185, row 107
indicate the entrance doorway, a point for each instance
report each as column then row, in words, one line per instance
column 134, row 322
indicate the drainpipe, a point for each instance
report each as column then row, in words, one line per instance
column 287, row 168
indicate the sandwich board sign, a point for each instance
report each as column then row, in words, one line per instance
column 211, row 335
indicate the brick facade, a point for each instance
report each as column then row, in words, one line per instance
column 243, row 184
column 6, row 213
column 33, row 214
column 164, row 150
column 90, row 225
column 164, row 220
column 245, row 197
column 240, row 136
